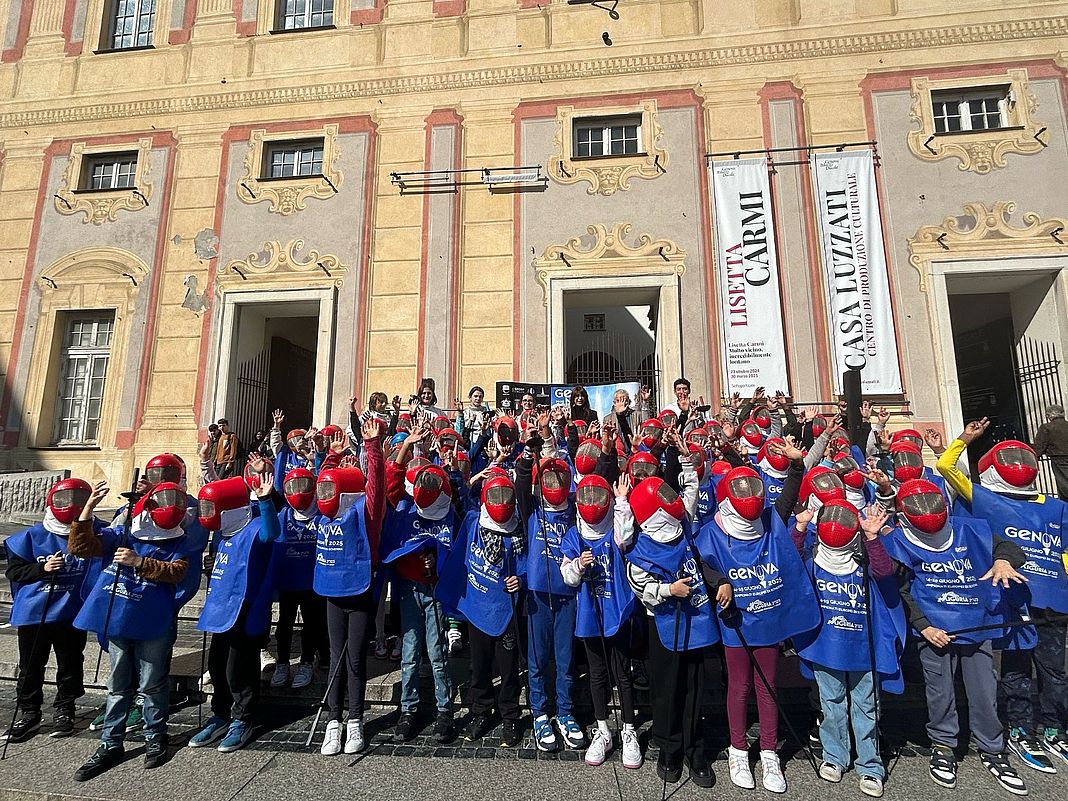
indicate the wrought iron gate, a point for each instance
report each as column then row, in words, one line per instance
column 1038, row 371
column 609, row 358
column 250, row 404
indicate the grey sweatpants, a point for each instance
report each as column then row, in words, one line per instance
column 976, row 664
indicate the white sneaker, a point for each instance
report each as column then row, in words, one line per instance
column 600, row 747
column 304, row 676
column 738, row 762
column 455, row 640
column 281, row 674
column 632, row 751
column 830, row 772
column 332, row 740
column 771, row 772
column 354, row 736
column 266, row 660
column 871, row 785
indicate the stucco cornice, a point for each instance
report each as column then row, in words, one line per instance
column 758, row 52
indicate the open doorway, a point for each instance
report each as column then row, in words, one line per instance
column 273, row 366
column 1006, row 337
column 610, row 336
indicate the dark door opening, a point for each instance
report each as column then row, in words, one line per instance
column 610, row 339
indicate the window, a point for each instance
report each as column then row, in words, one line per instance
column 131, row 23
column 84, row 361
column 983, row 109
column 607, row 136
column 593, row 322
column 109, row 171
column 293, row 159
column 296, row 14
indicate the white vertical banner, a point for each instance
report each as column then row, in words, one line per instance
column 747, row 266
column 854, row 270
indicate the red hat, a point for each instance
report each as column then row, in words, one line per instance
column 697, row 457
column 909, row 435
column 67, row 498
column 498, row 498
column 463, row 462
column 848, row 470
column 413, row 467
column 837, row 524
column 922, row 505
column 165, row 467
column 593, row 497
column 652, row 432
column 776, row 460
column 720, row 468
column 1013, row 461
column 642, row 465
column 819, row 425
column 822, row 482
column 295, row 437
column 744, row 489
column 907, row 460
column 430, row 484
column 652, row 495
column 507, row 430
column 752, row 433
column 218, row 497
column 334, row 483
column 587, row 456
column 553, row 478
column 697, row 436
column 299, row 488
column 166, row 504
column 762, row 417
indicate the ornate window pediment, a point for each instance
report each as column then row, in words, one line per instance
column 982, row 149
column 290, row 194
column 278, row 262
column 986, row 232
column 606, row 252
column 607, row 174
column 103, row 205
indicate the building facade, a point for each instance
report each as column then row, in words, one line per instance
column 216, row 207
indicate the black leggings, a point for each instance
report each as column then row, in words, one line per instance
column 313, row 638
column 600, row 678
column 349, row 620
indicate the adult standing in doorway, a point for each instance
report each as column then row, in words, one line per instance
column 1051, row 440
column 580, row 405
column 226, row 450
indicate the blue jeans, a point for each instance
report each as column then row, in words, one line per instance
column 421, row 620
column 138, row 667
column 847, row 698
column 552, row 636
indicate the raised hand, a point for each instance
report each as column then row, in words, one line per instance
column 934, row 441
column 735, row 401
column 865, row 410
column 758, row 395
column 974, row 430
column 645, row 393
column 372, row 429
column 786, row 449
column 202, row 450
column 339, row 442
column 349, row 461
column 622, row 487
column 264, row 485
column 875, row 517
column 258, row 463
column 279, row 417
column 354, row 404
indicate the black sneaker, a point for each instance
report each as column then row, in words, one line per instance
column 443, row 730
column 62, row 724
column 102, row 759
column 943, row 766
column 1003, row 772
column 23, row 728
column 405, row 728
column 477, row 726
column 155, row 751
column 814, row 733
column 511, row 733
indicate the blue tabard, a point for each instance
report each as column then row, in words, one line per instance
column 343, row 554
column 548, row 526
column 771, row 591
column 683, row 624
column 472, row 586
column 240, row 579
column 841, row 642
column 294, row 551
column 142, row 609
column 946, row 584
column 1036, row 526
column 61, row 590
column 405, row 532
column 605, row 599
